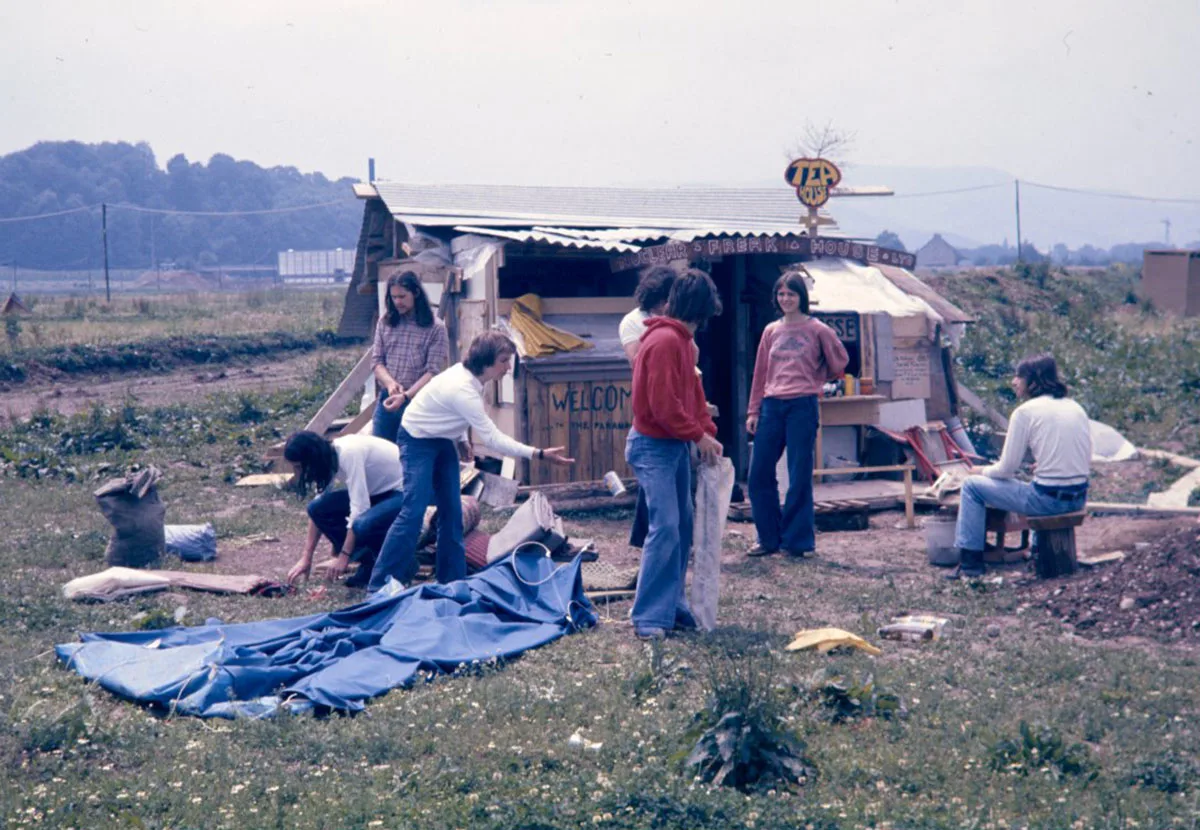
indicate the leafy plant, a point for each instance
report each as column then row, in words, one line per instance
column 746, row 744
column 1041, row 747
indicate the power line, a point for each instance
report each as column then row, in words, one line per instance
column 948, row 192
column 47, row 215
column 167, row 212
column 1127, row 196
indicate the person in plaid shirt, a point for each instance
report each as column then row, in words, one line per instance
column 410, row 348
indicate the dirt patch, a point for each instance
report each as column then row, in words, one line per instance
column 1133, row 480
column 70, row 395
column 1154, row 592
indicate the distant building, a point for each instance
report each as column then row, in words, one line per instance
column 1171, row 279
column 316, row 266
column 937, row 253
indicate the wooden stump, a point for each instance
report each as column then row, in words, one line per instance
column 1054, row 543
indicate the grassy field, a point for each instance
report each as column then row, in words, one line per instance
column 68, row 321
column 1008, row 721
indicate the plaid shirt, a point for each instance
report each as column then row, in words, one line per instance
column 408, row 351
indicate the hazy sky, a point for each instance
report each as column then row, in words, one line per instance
column 1085, row 93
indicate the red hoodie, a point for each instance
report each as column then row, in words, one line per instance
column 668, row 400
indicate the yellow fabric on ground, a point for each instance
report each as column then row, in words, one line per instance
column 825, row 639
column 540, row 338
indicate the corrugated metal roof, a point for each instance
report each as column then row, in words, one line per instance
column 544, row 236
column 758, row 209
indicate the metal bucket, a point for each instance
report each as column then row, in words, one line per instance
column 939, row 542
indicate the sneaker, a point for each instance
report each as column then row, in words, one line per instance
column 801, row 554
column 760, row 550
column 650, row 634
column 685, row 620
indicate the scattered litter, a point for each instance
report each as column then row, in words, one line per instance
column 192, row 543
column 250, row 539
column 276, row 480
column 914, row 628
column 577, row 741
column 1098, row 559
column 827, row 639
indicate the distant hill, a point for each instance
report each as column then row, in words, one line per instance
column 986, row 216
column 58, row 176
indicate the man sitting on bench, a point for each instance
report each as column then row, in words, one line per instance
column 1057, row 431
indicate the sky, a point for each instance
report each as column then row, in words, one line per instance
column 1092, row 94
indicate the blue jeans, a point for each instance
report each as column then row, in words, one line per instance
column 982, row 492
column 386, row 424
column 790, row 423
column 664, row 472
column 330, row 510
column 430, row 468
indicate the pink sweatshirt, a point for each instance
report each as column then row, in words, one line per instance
column 795, row 359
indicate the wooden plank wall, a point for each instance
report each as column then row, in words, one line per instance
column 591, row 418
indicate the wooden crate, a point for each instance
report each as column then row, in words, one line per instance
column 591, row 417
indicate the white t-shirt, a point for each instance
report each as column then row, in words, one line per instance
column 1059, row 434
column 633, row 326
column 450, row 404
column 367, row 466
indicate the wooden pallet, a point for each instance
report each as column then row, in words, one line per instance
column 740, row 511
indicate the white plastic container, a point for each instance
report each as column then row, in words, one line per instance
column 939, row 541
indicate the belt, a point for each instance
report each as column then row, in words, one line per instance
column 1071, row 493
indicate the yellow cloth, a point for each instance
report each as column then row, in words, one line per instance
column 826, row 639
column 540, row 339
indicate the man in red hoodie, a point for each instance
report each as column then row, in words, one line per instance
column 669, row 415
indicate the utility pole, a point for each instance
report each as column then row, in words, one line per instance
column 14, row 287
column 104, row 235
column 1167, row 225
column 154, row 257
column 1017, row 183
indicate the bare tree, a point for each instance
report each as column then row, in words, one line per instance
column 823, row 142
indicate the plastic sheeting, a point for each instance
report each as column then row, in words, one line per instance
column 714, row 489
column 1110, row 445
column 339, row 660
column 842, row 285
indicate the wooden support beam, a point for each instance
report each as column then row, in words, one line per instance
column 975, row 402
column 356, row 424
column 347, row 389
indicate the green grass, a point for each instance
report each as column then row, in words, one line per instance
column 1007, row 722
column 68, row 321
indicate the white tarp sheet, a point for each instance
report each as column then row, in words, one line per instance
column 843, row 285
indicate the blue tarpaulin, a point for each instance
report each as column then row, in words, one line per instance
column 340, row 659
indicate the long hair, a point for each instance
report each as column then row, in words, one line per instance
column 486, row 349
column 410, row 282
column 316, row 458
column 1040, row 374
column 694, row 298
column 654, row 287
column 792, row 282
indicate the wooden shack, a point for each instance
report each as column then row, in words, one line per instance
column 581, row 251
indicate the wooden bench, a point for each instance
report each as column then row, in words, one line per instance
column 1054, row 546
column 1054, row 552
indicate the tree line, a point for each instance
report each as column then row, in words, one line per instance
column 54, row 176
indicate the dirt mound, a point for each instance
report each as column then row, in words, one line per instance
column 1154, row 592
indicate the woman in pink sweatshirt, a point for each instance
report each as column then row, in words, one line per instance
column 796, row 356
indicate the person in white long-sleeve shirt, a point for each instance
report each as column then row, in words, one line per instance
column 1057, row 431
column 356, row 518
column 440, row 415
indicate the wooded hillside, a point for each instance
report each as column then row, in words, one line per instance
column 60, row 176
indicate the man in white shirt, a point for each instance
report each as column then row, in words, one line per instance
column 1056, row 430
column 439, row 415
